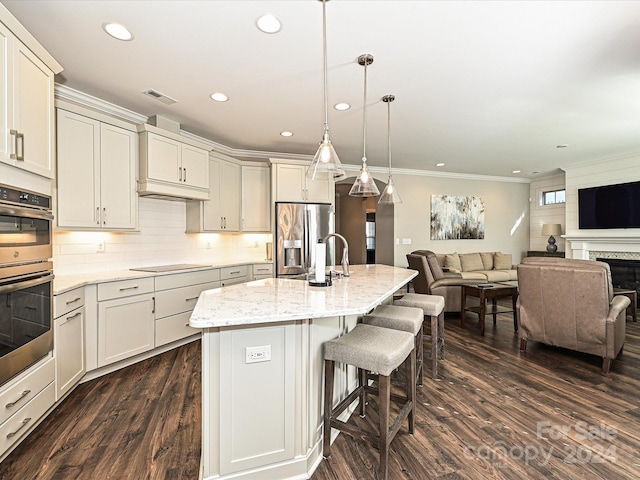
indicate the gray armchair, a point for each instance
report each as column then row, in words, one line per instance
column 570, row 304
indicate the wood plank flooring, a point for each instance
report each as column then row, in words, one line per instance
column 494, row 413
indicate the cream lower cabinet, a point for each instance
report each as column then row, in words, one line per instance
column 96, row 174
column 69, row 340
column 27, row 122
column 234, row 275
column 126, row 325
column 176, row 295
column 261, row 270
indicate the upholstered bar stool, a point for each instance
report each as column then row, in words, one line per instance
column 378, row 350
column 433, row 307
column 406, row 319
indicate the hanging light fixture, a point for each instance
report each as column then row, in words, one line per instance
column 389, row 194
column 325, row 162
column 364, row 186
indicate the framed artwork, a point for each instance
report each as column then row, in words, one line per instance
column 455, row 218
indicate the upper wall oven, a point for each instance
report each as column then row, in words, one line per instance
column 25, row 226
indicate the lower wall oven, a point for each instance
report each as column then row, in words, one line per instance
column 26, row 307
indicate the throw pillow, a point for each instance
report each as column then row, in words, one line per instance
column 452, row 262
column 487, row 260
column 502, row 261
column 471, row 262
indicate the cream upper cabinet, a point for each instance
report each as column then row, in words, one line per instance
column 221, row 213
column 96, row 174
column 256, row 199
column 292, row 185
column 26, row 105
column 172, row 166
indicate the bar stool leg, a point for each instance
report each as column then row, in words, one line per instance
column 362, row 383
column 434, row 347
column 410, row 363
column 419, row 357
column 328, row 407
column 384, row 388
column 441, row 334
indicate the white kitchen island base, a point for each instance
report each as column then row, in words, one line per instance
column 262, row 373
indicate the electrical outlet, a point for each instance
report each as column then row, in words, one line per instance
column 208, row 244
column 258, row 354
column 100, row 246
column 397, row 241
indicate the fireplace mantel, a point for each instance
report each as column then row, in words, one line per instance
column 588, row 246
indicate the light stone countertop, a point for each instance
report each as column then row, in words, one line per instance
column 280, row 299
column 64, row 283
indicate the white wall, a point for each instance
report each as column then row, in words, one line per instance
column 161, row 240
column 541, row 214
column 506, row 213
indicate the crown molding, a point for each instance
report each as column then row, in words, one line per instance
column 68, row 94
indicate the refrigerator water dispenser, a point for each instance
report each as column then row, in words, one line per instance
column 292, row 253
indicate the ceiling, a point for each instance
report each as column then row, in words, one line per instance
column 485, row 87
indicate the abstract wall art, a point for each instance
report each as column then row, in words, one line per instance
column 455, row 218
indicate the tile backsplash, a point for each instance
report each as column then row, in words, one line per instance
column 160, row 240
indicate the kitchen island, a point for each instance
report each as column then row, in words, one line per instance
column 262, row 367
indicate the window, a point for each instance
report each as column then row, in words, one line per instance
column 554, row 197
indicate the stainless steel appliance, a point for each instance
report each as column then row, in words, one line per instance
column 299, row 226
column 26, row 279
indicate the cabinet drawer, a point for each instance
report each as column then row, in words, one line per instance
column 178, row 300
column 166, row 282
column 229, row 273
column 22, row 391
column 125, row 288
column 20, row 423
column 264, row 270
column 67, row 301
column 175, row 327
column 234, row 281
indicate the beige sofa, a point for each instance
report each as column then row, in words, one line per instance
column 445, row 273
column 570, row 303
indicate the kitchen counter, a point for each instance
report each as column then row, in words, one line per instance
column 64, row 283
column 262, row 368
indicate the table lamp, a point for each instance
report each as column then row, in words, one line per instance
column 551, row 229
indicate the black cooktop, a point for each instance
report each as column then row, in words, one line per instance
column 169, row 268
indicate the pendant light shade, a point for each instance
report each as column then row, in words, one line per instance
column 389, row 194
column 325, row 162
column 364, row 186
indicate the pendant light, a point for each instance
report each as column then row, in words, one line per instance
column 325, row 162
column 364, row 186
column 389, row 194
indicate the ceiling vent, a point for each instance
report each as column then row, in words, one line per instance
column 160, row 96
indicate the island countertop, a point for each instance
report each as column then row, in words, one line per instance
column 280, row 299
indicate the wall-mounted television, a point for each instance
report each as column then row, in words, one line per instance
column 609, row 206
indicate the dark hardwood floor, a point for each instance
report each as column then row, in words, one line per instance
column 494, row 413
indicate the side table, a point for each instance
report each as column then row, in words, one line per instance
column 492, row 292
column 633, row 296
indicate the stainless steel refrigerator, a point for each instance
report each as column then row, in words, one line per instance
column 299, row 226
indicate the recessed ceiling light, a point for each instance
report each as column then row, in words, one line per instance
column 286, row 133
column 268, row 24
column 562, row 145
column 118, row 31
column 342, row 106
column 219, row 97
column 440, row 164
column 516, row 171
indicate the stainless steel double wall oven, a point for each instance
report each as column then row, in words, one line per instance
column 26, row 279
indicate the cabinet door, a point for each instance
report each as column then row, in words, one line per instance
column 78, row 196
column 125, row 328
column 118, row 197
column 195, row 167
column 163, row 158
column 33, row 115
column 230, row 196
column 290, row 181
column 68, row 341
column 320, row 190
column 6, row 98
column 211, row 209
column 256, row 199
